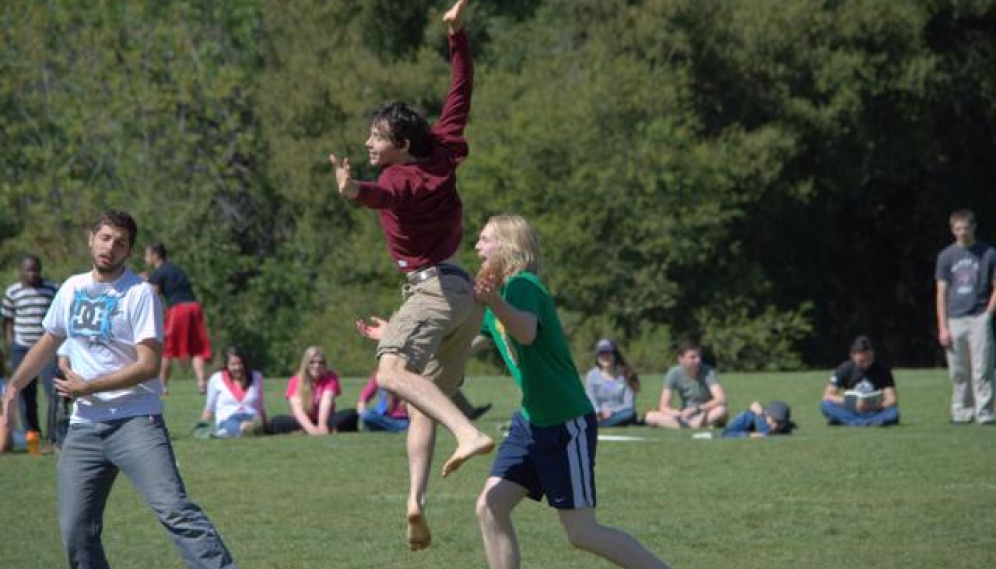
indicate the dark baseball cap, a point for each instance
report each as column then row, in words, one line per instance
column 779, row 411
column 605, row 345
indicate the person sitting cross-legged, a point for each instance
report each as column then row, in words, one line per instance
column 381, row 410
column 862, row 391
column 312, row 395
column 703, row 401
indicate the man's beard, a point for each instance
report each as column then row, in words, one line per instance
column 109, row 269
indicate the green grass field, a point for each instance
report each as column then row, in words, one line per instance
column 919, row 495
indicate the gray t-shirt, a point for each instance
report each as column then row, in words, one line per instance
column 692, row 390
column 969, row 273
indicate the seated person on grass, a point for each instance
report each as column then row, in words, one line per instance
column 381, row 410
column 703, row 402
column 862, row 391
column 759, row 422
column 311, row 395
column 235, row 398
column 611, row 386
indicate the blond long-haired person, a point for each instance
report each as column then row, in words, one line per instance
column 311, row 394
column 533, row 461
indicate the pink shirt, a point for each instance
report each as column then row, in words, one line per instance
column 329, row 382
column 395, row 407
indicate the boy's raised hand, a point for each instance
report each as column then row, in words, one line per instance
column 343, row 177
column 453, row 16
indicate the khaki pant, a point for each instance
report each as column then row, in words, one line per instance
column 970, row 367
column 434, row 328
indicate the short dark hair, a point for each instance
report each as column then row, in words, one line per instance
column 159, row 250
column 861, row 344
column 688, row 345
column 120, row 219
column 404, row 123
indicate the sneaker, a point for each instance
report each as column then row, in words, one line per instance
column 478, row 411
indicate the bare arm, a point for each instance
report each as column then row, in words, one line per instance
column 665, row 403
column 519, row 324
column 833, row 394
column 146, row 366
column 324, row 412
column 718, row 398
column 890, row 397
column 991, row 307
column 37, row 357
column 943, row 334
column 8, row 330
column 302, row 418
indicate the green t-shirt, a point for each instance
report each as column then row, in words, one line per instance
column 692, row 390
column 552, row 392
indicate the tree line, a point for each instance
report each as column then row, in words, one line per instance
column 771, row 177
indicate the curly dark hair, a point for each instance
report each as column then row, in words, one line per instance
column 404, row 123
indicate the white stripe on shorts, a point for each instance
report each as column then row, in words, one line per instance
column 579, row 459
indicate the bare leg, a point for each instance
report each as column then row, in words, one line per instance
column 494, row 515
column 608, row 543
column 427, row 398
column 666, row 420
column 715, row 417
column 197, row 362
column 164, row 374
column 420, row 442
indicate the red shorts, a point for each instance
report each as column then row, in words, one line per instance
column 186, row 334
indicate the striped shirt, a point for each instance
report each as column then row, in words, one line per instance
column 26, row 307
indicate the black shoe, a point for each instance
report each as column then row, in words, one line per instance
column 478, row 411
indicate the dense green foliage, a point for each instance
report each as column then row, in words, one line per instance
column 774, row 177
column 916, row 496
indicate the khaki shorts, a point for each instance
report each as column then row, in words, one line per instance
column 434, row 328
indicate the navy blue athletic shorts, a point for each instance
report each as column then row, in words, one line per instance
column 557, row 461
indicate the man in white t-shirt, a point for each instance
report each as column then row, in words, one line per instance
column 112, row 324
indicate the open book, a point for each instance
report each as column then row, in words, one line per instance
column 851, row 398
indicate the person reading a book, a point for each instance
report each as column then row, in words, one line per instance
column 862, row 391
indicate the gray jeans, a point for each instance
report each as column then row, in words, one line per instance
column 91, row 457
column 970, row 367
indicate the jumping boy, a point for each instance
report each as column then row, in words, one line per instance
column 423, row 349
column 550, row 448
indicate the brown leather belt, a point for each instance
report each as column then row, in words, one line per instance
column 422, row 275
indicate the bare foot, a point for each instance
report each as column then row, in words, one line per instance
column 481, row 444
column 201, row 386
column 419, row 536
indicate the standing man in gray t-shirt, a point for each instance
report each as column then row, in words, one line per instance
column 966, row 300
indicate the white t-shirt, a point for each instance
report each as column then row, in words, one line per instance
column 223, row 403
column 102, row 323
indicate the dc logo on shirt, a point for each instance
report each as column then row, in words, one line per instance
column 91, row 317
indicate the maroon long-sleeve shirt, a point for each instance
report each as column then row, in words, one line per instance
column 420, row 210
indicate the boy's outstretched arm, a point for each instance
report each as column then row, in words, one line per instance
column 456, row 110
